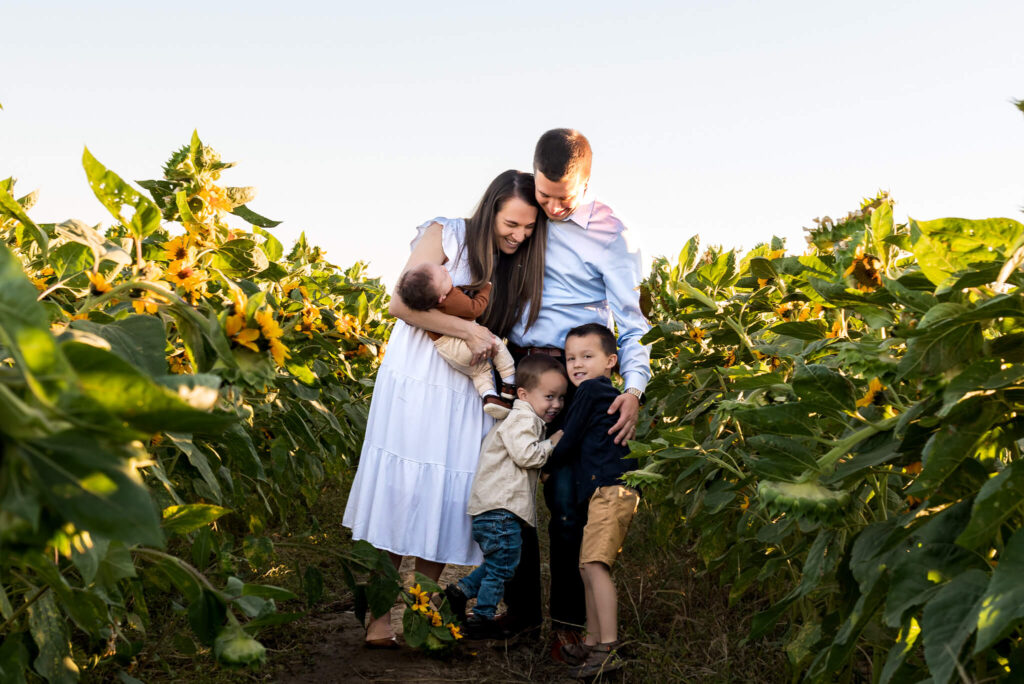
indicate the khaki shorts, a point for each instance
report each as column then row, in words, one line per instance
column 609, row 513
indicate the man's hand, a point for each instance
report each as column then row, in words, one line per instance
column 628, row 408
column 482, row 343
column 555, row 437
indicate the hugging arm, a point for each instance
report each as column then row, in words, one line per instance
column 522, row 444
column 478, row 338
column 573, row 429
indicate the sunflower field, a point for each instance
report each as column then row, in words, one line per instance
column 171, row 387
column 840, row 432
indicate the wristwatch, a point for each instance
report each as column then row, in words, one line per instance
column 636, row 393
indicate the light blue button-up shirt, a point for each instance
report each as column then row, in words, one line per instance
column 592, row 274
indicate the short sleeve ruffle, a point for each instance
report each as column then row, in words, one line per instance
column 453, row 232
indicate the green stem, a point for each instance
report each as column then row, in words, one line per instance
column 198, row 576
column 843, row 446
column 22, row 608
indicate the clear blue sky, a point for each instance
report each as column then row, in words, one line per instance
column 357, row 121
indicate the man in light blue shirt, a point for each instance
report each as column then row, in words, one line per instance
column 592, row 274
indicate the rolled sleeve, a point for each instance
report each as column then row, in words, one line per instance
column 623, row 274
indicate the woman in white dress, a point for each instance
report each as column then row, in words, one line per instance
column 426, row 419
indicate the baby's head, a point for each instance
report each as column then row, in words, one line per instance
column 541, row 384
column 590, row 352
column 425, row 286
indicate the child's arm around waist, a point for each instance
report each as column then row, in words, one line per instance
column 523, row 441
column 573, row 429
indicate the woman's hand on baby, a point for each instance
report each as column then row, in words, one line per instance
column 555, row 437
column 482, row 343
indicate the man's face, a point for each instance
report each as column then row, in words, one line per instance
column 559, row 198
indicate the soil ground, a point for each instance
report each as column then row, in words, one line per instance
column 677, row 624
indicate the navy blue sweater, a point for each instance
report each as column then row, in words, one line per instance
column 586, row 445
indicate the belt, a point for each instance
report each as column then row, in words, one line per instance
column 527, row 351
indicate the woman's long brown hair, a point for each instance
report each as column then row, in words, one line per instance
column 518, row 278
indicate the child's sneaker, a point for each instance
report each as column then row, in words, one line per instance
column 456, row 601
column 497, row 407
column 602, row 658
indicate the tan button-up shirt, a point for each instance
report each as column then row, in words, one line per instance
column 510, row 460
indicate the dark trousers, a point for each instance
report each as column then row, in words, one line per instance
column 568, row 607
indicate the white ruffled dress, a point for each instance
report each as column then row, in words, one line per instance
column 422, row 442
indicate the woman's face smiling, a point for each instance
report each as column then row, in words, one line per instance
column 513, row 225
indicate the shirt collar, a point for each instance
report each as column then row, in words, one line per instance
column 581, row 217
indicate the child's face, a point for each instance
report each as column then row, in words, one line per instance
column 442, row 281
column 547, row 396
column 585, row 359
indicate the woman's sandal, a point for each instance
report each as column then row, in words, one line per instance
column 602, row 658
column 389, row 643
column 575, row 654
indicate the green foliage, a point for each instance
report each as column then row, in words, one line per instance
column 842, row 431
column 169, row 392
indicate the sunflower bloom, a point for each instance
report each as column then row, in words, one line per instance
column 247, row 338
column 865, row 271
column 874, row 387
column 454, row 629
column 776, row 253
column 179, row 249
column 99, row 284
column 278, row 351
column 696, row 334
column 784, row 310
column 39, row 279
column 435, row 619
column 837, row 329
column 145, row 305
column 271, row 329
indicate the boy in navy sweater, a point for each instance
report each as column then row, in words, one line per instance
column 608, row 505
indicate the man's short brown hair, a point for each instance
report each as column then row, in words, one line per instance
column 535, row 365
column 563, row 152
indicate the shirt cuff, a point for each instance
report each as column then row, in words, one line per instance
column 635, row 379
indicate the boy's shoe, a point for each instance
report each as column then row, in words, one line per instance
column 507, row 391
column 456, row 601
column 575, row 654
column 497, row 407
column 560, row 638
column 476, row 628
column 602, row 658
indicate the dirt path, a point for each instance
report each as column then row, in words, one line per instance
column 333, row 651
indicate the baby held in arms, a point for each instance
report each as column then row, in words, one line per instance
column 429, row 286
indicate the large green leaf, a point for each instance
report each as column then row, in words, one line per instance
column 49, row 631
column 240, row 258
column 823, row 388
column 1002, row 606
column 949, row 445
column 190, row 517
column 920, row 574
column 115, row 195
column 139, row 340
column 10, row 207
column 781, row 419
column 14, row 657
column 252, row 217
column 946, row 246
column 93, row 487
column 118, row 387
column 996, row 501
column 949, row 620
column 199, row 461
column 25, row 331
column 69, row 259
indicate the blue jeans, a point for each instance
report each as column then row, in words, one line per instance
column 500, row 538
